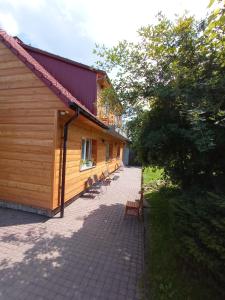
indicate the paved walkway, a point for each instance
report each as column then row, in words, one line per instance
column 92, row 253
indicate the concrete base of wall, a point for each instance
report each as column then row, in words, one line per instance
column 40, row 211
column 16, row 206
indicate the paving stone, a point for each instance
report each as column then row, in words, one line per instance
column 94, row 252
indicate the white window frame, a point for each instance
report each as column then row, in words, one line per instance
column 87, row 157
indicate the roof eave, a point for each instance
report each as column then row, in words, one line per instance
column 74, row 106
column 118, row 135
column 70, row 61
column 48, row 79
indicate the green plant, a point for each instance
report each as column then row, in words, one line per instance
column 172, row 86
column 174, row 266
column 86, row 162
column 199, row 225
column 108, row 98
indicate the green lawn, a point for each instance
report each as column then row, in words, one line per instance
column 166, row 277
column 151, row 174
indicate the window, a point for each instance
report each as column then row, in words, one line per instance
column 105, row 110
column 118, row 121
column 118, row 151
column 109, row 151
column 88, row 153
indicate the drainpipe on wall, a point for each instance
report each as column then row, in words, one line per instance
column 65, row 135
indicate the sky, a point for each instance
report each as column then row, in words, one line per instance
column 71, row 28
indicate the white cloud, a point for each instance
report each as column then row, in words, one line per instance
column 9, row 23
column 107, row 22
column 71, row 27
column 31, row 4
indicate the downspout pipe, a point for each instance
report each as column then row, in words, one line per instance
column 65, row 136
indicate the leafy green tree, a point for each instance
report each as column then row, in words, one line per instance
column 172, row 84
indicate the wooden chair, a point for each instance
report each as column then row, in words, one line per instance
column 89, row 187
column 106, row 177
column 97, row 183
column 120, row 166
column 135, row 208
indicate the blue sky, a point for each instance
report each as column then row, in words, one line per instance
column 71, row 28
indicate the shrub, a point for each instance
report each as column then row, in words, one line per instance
column 199, row 224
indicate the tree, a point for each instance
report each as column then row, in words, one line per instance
column 172, row 83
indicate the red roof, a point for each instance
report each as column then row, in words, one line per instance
column 79, row 81
column 66, row 97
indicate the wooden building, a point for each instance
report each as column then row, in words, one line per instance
column 43, row 99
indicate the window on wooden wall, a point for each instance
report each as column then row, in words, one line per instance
column 105, row 110
column 118, row 151
column 88, row 153
column 94, row 151
column 111, row 151
column 108, row 151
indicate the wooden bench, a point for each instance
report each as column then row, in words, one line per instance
column 135, row 208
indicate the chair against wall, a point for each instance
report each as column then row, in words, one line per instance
column 107, row 177
column 89, row 188
column 120, row 166
column 98, row 184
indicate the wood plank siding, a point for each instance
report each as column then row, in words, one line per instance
column 27, row 127
column 31, row 132
column 75, row 179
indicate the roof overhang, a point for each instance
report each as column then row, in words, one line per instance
column 58, row 57
column 117, row 135
column 87, row 115
column 65, row 96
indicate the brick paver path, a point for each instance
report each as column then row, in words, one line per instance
column 92, row 253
